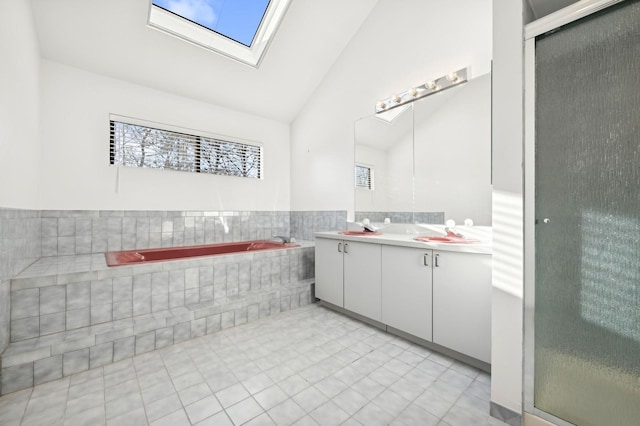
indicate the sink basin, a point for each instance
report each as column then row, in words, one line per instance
column 446, row 239
column 359, row 233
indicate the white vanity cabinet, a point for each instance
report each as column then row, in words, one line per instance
column 462, row 302
column 329, row 271
column 406, row 289
column 442, row 296
column 348, row 275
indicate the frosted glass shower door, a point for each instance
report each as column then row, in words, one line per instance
column 587, row 212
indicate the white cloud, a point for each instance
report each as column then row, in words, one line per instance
column 200, row 11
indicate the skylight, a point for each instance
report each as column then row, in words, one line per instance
column 240, row 29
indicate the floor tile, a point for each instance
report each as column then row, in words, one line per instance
column 257, row 375
column 163, row 406
column 270, row 397
column 194, row 393
column 177, row 418
column 329, row 414
column 286, row 413
column 350, row 401
column 309, row 399
column 232, row 395
column 373, row 415
column 203, row 408
column 244, row 411
column 415, row 415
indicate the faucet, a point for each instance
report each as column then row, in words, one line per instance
column 450, row 232
column 366, row 225
column 284, row 239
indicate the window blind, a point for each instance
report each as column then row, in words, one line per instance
column 137, row 145
column 364, row 177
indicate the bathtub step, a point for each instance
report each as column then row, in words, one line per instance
column 39, row 360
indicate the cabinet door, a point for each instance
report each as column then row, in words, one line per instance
column 362, row 279
column 406, row 290
column 329, row 271
column 462, row 303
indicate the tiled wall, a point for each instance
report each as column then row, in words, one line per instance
column 402, row 217
column 305, row 223
column 84, row 232
column 20, row 236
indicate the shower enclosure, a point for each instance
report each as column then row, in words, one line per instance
column 582, row 215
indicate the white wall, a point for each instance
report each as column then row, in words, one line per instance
column 75, row 149
column 19, row 85
column 401, row 44
column 506, row 335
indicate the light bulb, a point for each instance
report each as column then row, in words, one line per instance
column 413, row 92
column 468, row 222
column 450, row 223
column 431, row 85
column 452, row 76
column 397, row 99
column 381, row 105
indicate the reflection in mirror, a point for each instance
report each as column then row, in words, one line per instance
column 430, row 162
column 383, row 143
column 452, row 152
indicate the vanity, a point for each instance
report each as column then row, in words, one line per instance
column 419, row 162
column 436, row 294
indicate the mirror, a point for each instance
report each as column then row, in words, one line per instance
column 432, row 161
column 383, row 144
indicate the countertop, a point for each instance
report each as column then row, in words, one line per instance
column 407, row 239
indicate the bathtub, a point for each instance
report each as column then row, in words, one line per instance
column 130, row 257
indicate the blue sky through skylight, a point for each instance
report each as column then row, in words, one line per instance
column 237, row 19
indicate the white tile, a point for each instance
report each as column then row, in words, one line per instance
column 203, row 408
column 176, row 418
column 257, row 383
column 310, row 398
column 286, row 413
column 232, row 395
column 270, row 397
column 244, row 411
column 329, row 414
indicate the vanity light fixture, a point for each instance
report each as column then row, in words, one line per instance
column 431, row 87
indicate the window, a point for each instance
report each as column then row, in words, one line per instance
column 236, row 19
column 137, row 145
column 364, row 177
column 239, row 29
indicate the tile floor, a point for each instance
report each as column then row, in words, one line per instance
column 310, row 366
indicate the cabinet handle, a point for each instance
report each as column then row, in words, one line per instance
column 424, row 259
column 346, row 247
column 339, row 247
column 437, row 257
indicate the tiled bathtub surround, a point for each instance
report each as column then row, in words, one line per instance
column 93, row 231
column 84, row 232
column 69, row 314
column 20, row 236
column 28, row 235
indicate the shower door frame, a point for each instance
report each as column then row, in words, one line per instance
column 541, row 26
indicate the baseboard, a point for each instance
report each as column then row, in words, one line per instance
column 510, row 417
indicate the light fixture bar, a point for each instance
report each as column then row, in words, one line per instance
column 430, row 87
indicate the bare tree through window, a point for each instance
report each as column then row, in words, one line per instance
column 140, row 146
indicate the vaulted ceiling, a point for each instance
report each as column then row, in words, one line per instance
column 112, row 38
